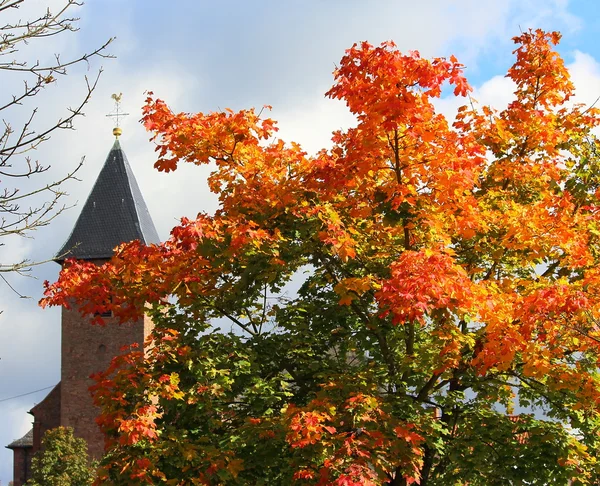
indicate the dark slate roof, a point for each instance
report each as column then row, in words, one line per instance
column 114, row 213
column 25, row 441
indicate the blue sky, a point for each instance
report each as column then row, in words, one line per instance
column 206, row 55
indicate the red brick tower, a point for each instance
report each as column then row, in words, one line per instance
column 115, row 212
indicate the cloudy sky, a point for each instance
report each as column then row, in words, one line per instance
column 202, row 55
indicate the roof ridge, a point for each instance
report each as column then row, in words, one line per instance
column 139, row 203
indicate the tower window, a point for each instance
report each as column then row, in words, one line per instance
column 106, row 313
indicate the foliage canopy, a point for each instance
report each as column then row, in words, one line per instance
column 63, row 460
column 450, row 271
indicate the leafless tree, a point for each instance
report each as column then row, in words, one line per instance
column 25, row 205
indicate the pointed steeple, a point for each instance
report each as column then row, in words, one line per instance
column 114, row 213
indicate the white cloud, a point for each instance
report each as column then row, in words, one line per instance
column 585, row 73
column 311, row 124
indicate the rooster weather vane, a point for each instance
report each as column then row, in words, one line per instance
column 117, row 114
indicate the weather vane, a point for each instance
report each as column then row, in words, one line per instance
column 116, row 114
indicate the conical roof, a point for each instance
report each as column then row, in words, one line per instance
column 114, row 213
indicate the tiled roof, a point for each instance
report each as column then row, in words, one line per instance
column 114, row 213
column 25, row 441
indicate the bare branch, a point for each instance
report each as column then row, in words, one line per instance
column 25, row 209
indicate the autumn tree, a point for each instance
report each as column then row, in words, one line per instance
column 62, row 461
column 30, row 199
column 449, row 278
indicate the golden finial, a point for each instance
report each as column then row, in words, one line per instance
column 117, row 113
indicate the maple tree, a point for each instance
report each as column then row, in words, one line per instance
column 449, row 272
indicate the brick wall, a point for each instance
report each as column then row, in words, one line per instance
column 46, row 416
column 87, row 349
column 21, row 465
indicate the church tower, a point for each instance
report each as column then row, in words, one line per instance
column 114, row 213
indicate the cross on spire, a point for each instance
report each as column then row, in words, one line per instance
column 117, row 114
